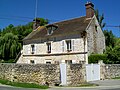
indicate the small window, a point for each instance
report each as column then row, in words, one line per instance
column 50, row 31
column 32, row 49
column 54, row 39
column 48, row 62
column 56, row 62
column 32, row 62
column 95, row 28
column 68, row 61
column 49, row 47
column 69, row 45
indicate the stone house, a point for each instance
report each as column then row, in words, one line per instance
column 69, row 41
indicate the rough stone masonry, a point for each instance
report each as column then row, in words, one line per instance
column 42, row 73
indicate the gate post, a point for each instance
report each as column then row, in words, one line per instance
column 63, row 74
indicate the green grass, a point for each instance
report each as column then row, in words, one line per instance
column 116, row 78
column 25, row 85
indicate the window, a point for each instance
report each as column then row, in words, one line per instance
column 50, row 31
column 32, row 62
column 48, row 61
column 95, row 28
column 49, row 47
column 32, row 49
column 51, row 28
column 69, row 45
column 54, row 39
column 68, row 61
column 56, row 62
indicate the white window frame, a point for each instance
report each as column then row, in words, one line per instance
column 69, row 45
column 32, row 48
column 48, row 47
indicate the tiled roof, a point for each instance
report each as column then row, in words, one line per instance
column 68, row 26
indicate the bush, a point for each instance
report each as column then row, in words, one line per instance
column 94, row 58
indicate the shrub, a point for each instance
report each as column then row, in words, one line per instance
column 94, row 58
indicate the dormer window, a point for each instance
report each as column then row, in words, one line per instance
column 50, row 29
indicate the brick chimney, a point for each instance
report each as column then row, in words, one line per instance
column 36, row 23
column 89, row 9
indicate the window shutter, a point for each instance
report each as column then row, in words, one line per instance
column 63, row 48
column 73, row 45
column 29, row 49
column 34, row 49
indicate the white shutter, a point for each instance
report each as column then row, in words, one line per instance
column 73, row 45
column 63, row 47
column 29, row 49
column 35, row 48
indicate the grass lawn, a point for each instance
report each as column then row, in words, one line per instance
column 116, row 78
column 25, row 85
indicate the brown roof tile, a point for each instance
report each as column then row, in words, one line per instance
column 68, row 26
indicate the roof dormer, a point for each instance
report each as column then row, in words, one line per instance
column 51, row 28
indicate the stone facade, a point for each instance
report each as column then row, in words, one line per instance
column 95, row 38
column 42, row 73
column 59, row 51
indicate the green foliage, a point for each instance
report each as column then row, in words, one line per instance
column 25, row 85
column 94, row 58
column 9, row 46
column 113, row 53
column 100, row 18
column 109, row 38
column 11, row 39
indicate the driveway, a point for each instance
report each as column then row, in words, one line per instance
column 107, row 82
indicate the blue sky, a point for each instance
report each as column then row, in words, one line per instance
column 20, row 12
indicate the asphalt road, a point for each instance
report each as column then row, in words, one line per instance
column 103, row 85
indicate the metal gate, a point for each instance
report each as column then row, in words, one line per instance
column 63, row 74
column 92, row 72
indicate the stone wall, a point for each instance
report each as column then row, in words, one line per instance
column 112, row 70
column 30, row 73
column 75, row 74
column 95, row 38
column 42, row 73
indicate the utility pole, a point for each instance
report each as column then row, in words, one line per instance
column 36, row 8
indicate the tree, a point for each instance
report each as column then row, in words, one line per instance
column 109, row 38
column 9, row 46
column 11, row 38
column 113, row 55
column 100, row 19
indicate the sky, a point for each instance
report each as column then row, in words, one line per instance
column 20, row 12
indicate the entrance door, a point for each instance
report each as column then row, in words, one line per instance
column 63, row 74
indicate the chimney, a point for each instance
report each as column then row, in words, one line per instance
column 89, row 9
column 36, row 23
